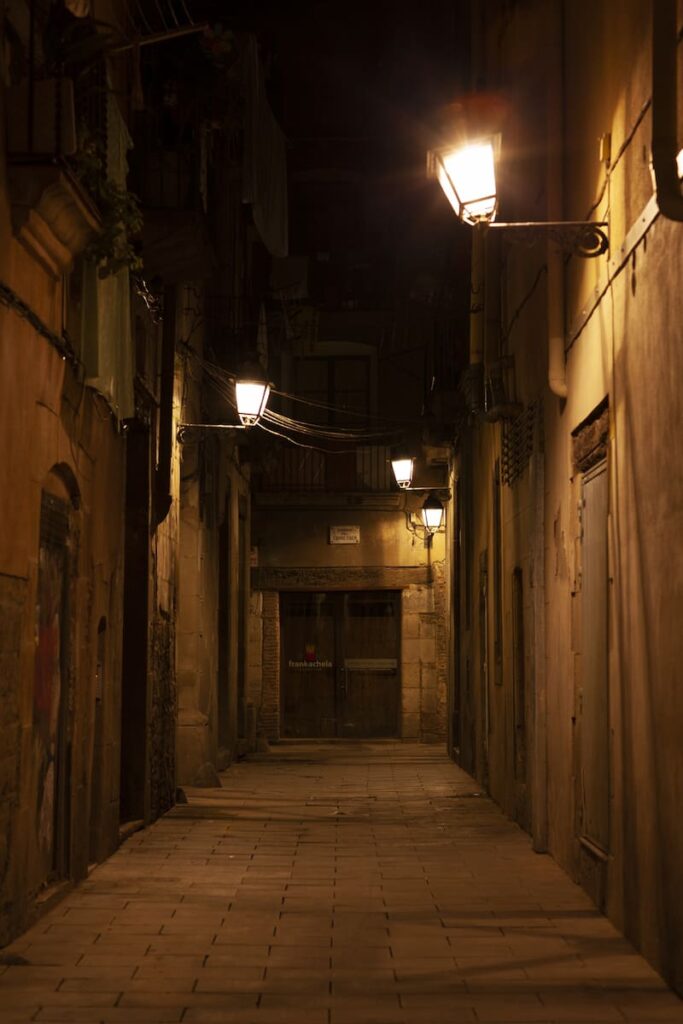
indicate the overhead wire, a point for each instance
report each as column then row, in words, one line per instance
column 334, row 408
column 321, row 430
column 301, row 444
column 223, row 380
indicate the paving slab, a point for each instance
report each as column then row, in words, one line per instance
column 338, row 883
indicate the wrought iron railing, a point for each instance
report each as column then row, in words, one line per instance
column 367, row 469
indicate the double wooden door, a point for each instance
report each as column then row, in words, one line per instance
column 340, row 664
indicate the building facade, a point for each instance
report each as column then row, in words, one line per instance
column 566, row 701
column 131, row 263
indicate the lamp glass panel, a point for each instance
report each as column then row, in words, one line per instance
column 472, row 177
column 679, row 163
column 403, row 471
column 431, row 517
column 446, row 185
column 251, row 400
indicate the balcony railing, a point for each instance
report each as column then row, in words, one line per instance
column 367, row 469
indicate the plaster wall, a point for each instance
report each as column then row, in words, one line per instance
column 51, row 420
column 213, row 487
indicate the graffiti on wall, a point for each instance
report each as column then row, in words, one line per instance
column 47, row 695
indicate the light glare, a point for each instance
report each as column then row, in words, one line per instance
column 432, row 514
column 251, row 399
column 403, row 471
column 472, row 179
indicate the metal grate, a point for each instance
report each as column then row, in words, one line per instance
column 54, row 520
column 518, row 444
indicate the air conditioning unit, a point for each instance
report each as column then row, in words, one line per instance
column 53, row 128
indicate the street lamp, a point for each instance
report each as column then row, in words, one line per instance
column 466, row 172
column 432, row 514
column 402, row 466
column 251, row 394
column 428, row 522
column 251, row 397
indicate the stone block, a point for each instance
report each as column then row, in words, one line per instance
column 410, row 674
column 410, row 626
column 410, row 726
column 428, row 677
column 411, row 651
column 417, row 599
column 410, row 700
column 427, row 627
column 427, row 648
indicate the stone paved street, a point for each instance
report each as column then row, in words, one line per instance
column 331, row 884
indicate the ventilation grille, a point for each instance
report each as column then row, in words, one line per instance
column 518, row 444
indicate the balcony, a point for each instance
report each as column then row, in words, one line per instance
column 296, row 470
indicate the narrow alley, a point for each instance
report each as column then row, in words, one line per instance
column 347, row 883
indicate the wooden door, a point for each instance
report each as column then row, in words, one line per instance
column 340, row 664
column 309, row 664
column 369, row 684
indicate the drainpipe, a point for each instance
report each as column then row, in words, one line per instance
column 162, row 488
column 665, row 108
column 557, row 379
column 496, row 403
column 492, row 327
column 475, row 371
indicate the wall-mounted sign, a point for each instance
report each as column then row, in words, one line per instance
column 310, row 659
column 345, row 535
column 308, row 665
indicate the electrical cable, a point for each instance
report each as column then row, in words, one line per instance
column 10, row 299
column 300, row 444
column 527, row 298
column 620, row 152
column 222, row 380
column 321, row 431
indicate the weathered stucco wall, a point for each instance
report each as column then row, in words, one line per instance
column 49, row 428
column 622, row 316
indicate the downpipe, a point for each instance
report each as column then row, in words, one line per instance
column 474, row 376
column 665, row 108
column 557, row 373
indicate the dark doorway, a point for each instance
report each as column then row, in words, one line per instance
column 593, row 733
column 224, row 619
column 242, row 599
column 483, row 749
column 135, row 627
column 340, row 664
column 50, row 700
column 96, row 801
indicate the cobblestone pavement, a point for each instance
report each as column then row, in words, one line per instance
column 331, row 884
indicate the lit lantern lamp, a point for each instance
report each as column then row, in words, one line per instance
column 402, row 466
column 251, row 394
column 467, row 175
column 432, row 514
column 466, row 171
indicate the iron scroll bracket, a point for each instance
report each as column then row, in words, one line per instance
column 575, row 237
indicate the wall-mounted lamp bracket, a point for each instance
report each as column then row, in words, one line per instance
column 575, row 237
column 185, row 430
